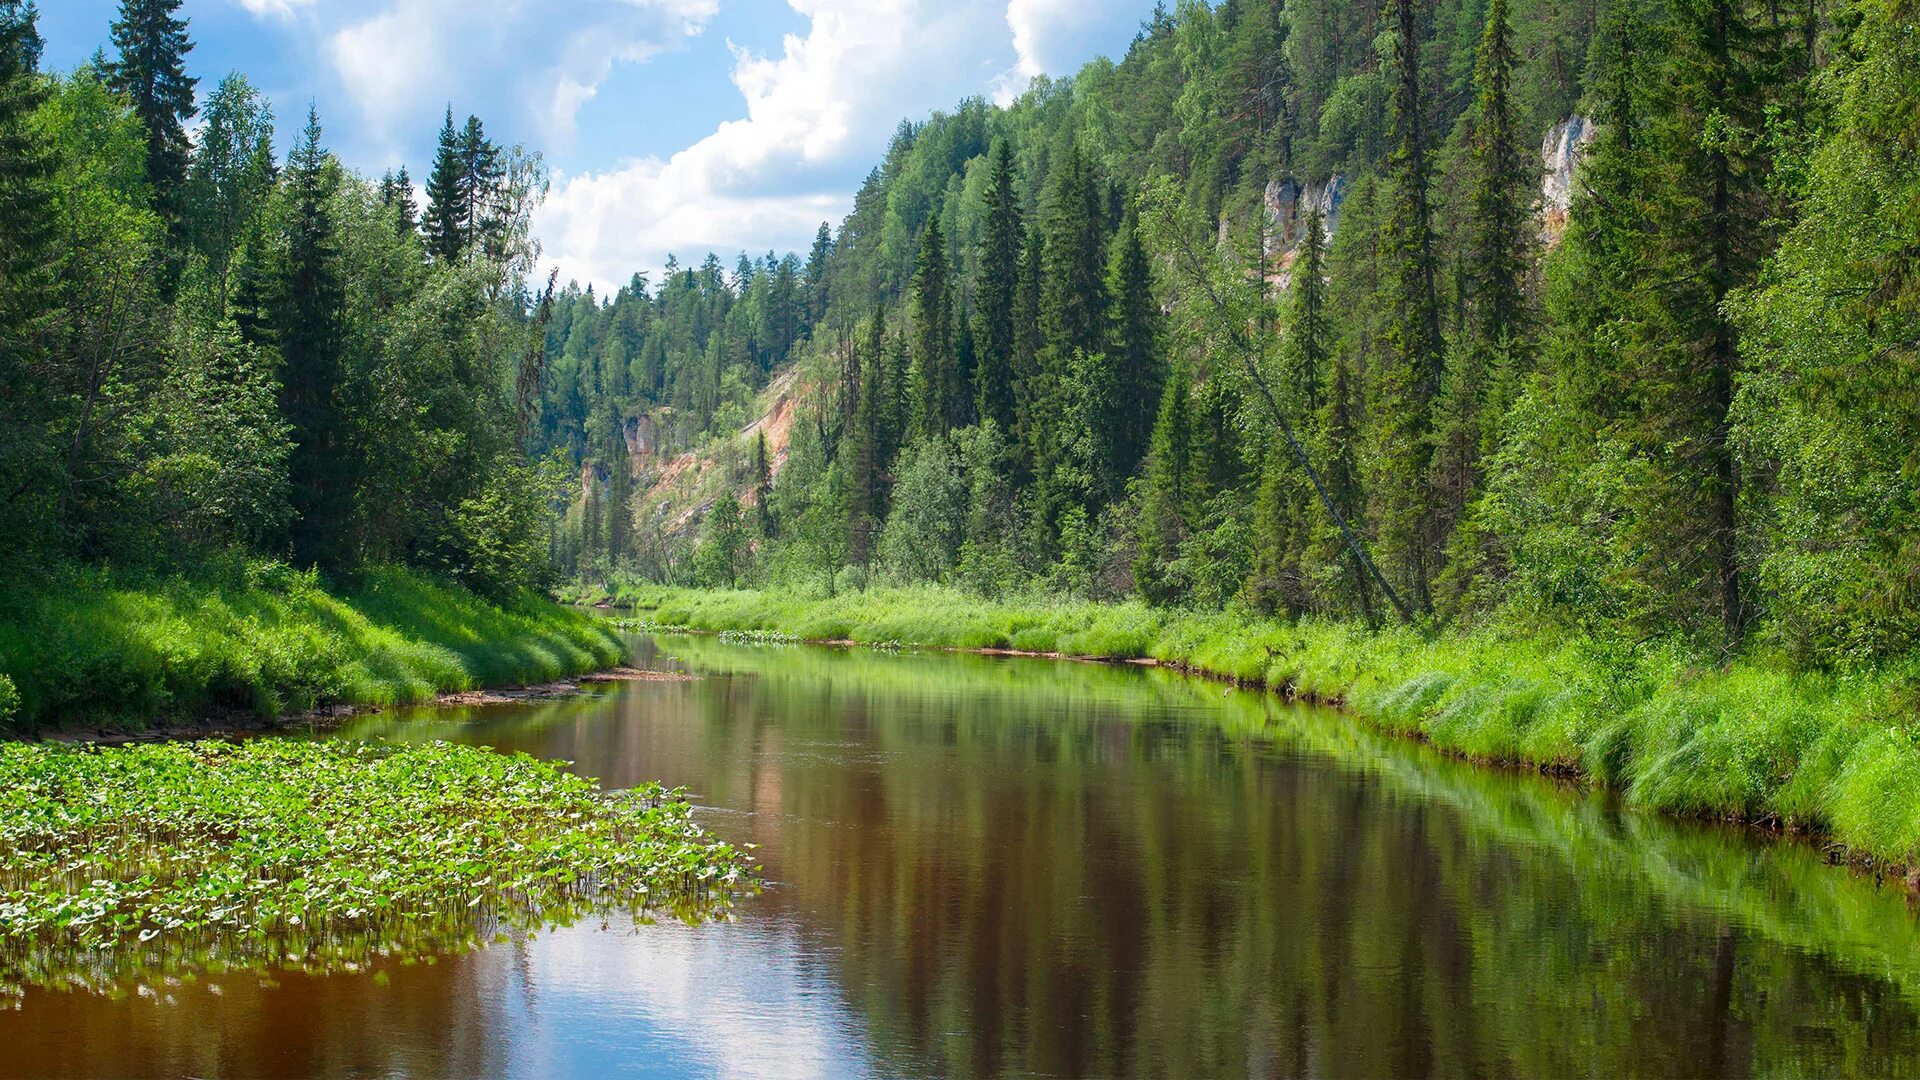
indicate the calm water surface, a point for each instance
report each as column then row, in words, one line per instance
column 986, row 867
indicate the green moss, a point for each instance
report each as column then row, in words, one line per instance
column 1756, row 741
column 98, row 650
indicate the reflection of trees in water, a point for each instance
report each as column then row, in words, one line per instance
column 1185, row 886
column 1026, row 866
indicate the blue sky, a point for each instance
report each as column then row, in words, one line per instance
column 676, row 126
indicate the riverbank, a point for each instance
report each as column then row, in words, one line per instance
column 1830, row 754
column 117, row 655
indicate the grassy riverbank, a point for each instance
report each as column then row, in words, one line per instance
column 1757, row 741
column 90, row 648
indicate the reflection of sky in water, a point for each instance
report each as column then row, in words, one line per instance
column 1009, row 867
column 670, row 1000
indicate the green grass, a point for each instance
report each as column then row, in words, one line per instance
column 324, row 854
column 1837, row 755
column 92, row 649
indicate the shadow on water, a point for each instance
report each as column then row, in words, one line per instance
column 984, row 866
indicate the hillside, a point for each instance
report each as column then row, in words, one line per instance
column 1579, row 320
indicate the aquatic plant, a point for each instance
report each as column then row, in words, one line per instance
column 183, row 857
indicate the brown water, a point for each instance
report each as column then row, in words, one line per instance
column 985, row 867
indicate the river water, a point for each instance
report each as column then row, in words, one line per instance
column 992, row 866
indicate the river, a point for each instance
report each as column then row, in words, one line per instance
column 989, row 866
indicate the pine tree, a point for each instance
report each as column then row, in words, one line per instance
column 939, row 396
column 997, row 294
column 151, row 72
column 1413, row 332
column 307, row 304
column 447, row 198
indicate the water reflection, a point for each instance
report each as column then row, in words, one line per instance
column 987, row 866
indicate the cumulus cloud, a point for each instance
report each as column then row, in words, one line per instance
column 824, row 104
column 399, row 53
column 282, row 9
column 1045, row 36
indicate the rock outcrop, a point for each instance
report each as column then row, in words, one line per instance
column 1561, row 153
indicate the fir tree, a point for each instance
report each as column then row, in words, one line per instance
column 151, row 71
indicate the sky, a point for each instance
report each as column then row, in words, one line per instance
column 670, row 126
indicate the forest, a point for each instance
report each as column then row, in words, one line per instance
column 1542, row 314
column 239, row 381
column 1558, row 317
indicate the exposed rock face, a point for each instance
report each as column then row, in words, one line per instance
column 1288, row 203
column 1561, row 152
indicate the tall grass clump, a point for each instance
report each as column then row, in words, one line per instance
column 1757, row 740
column 92, row 647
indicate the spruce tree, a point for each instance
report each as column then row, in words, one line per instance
column 307, row 304
column 1308, row 342
column 1134, row 352
column 763, row 487
column 151, row 71
column 818, row 267
column 1492, row 351
column 1073, row 301
column 997, row 293
column 447, row 198
column 396, row 194
column 938, row 396
column 1171, row 488
column 1412, row 306
column 484, row 172
column 29, row 228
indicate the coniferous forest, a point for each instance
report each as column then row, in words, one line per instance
column 1365, row 390
column 1553, row 314
column 1596, row 317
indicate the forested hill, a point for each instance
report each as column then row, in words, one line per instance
column 1271, row 311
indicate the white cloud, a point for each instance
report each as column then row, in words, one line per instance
column 828, row 99
column 411, row 51
column 1044, row 35
column 282, row 9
